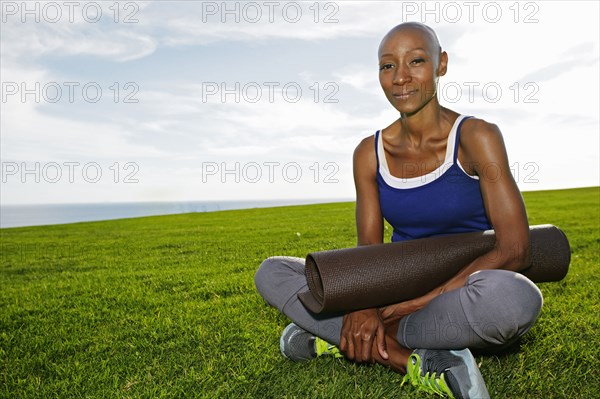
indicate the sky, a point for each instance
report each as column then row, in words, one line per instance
column 211, row 101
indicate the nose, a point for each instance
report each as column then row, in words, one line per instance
column 401, row 75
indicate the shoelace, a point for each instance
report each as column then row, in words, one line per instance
column 430, row 383
column 325, row 348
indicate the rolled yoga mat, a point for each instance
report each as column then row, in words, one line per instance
column 378, row 275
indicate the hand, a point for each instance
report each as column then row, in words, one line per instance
column 397, row 311
column 359, row 331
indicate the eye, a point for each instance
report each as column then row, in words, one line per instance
column 417, row 61
column 385, row 66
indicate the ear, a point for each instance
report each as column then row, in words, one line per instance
column 443, row 64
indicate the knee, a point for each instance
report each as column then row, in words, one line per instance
column 505, row 304
column 263, row 276
column 278, row 274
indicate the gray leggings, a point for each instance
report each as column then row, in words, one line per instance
column 492, row 310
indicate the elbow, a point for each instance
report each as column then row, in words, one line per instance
column 517, row 257
column 522, row 261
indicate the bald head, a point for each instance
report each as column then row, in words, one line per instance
column 426, row 33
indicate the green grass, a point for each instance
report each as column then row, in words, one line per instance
column 166, row 307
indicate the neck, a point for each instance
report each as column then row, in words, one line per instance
column 424, row 123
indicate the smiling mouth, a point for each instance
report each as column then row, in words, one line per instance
column 405, row 95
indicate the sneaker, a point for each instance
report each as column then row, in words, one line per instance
column 446, row 372
column 299, row 345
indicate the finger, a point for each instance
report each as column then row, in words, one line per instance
column 343, row 344
column 385, row 312
column 367, row 344
column 381, row 345
column 358, row 347
column 344, row 333
column 345, row 325
column 350, row 349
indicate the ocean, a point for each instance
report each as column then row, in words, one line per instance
column 39, row 215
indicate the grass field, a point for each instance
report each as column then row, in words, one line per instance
column 166, row 307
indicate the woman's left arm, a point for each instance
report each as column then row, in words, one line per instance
column 484, row 153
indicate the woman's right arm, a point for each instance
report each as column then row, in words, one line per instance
column 362, row 327
column 369, row 222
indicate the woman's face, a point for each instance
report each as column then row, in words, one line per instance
column 409, row 64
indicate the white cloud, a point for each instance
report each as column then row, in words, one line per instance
column 23, row 43
column 361, row 77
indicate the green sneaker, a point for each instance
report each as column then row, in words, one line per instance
column 446, row 372
column 299, row 345
column 324, row 348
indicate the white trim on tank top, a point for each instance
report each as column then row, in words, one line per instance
column 418, row 181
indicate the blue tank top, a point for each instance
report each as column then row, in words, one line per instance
column 444, row 201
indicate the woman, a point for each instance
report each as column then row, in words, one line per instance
column 431, row 172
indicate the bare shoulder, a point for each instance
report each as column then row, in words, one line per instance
column 478, row 136
column 364, row 153
column 479, row 130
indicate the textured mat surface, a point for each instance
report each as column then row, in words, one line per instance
column 377, row 275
